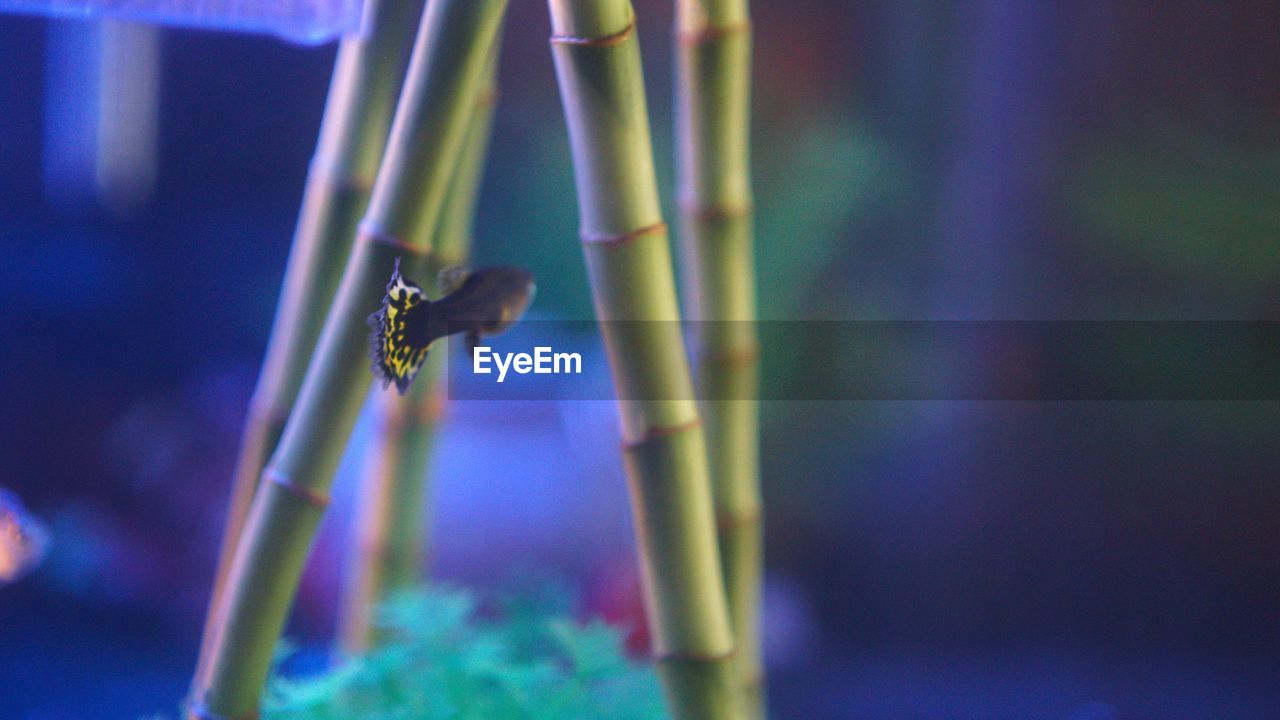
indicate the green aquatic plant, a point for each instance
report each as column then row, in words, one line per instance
column 624, row 240
column 445, row 72
column 366, row 81
column 389, row 538
column 439, row 659
column 713, row 103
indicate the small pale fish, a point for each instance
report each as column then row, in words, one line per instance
column 477, row 303
column 23, row 539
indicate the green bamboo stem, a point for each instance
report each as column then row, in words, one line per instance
column 713, row 66
column 367, row 75
column 390, row 536
column 597, row 60
column 388, row 540
column 453, row 40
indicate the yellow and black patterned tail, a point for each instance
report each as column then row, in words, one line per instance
column 399, row 341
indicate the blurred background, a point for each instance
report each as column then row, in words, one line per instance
column 986, row 159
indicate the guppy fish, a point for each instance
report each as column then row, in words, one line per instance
column 23, row 540
column 478, row 303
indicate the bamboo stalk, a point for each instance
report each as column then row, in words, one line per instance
column 388, row 540
column 367, row 75
column 597, row 60
column 713, row 66
column 390, row 536
column 453, row 40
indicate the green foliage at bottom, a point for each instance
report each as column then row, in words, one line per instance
column 444, row 660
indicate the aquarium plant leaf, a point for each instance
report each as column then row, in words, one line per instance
column 445, row 660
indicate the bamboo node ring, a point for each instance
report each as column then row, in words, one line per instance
column 369, row 232
column 397, row 423
column 714, row 211
column 604, row 41
column 744, row 355
column 624, row 238
column 657, row 431
column 307, row 495
column 266, row 409
column 708, row 33
column 326, row 168
column 734, row 521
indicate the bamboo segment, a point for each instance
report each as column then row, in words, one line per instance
column 713, row 65
column 367, row 76
column 453, row 238
column 679, row 559
column 391, row 529
column 628, row 260
column 454, row 38
column 389, row 536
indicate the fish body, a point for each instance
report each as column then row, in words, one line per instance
column 479, row 303
column 488, row 302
